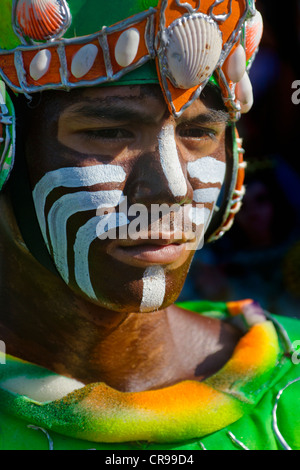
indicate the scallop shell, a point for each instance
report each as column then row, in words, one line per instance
column 42, row 19
column 193, row 50
column 253, row 34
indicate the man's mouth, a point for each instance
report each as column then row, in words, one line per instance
column 162, row 251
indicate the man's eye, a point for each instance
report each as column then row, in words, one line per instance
column 196, row 133
column 108, row 134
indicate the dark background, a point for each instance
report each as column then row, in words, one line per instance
column 260, row 257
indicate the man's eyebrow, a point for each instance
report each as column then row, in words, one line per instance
column 113, row 111
column 211, row 116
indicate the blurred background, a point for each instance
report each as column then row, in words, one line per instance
column 259, row 257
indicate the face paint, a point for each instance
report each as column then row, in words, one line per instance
column 154, row 286
column 108, row 270
column 207, row 170
column 93, row 229
column 199, row 215
column 73, row 203
column 206, row 195
column 170, row 161
column 63, row 209
column 72, row 178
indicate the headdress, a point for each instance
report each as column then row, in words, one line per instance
column 62, row 45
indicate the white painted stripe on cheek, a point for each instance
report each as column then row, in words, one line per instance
column 206, row 195
column 63, row 209
column 154, row 288
column 84, row 238
column 199, row 215
column 207, row 170
column 170, row 161
column 72, row 178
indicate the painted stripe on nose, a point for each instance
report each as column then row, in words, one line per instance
column 170, row 161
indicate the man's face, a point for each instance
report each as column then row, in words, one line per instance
column 101, row 162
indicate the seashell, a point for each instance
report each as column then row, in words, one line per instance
column 193, row 50
column 244, row 93
column 127, row 47
column 235, row 65
column 253, row 34
column 84, row 60
column 42, row 19
column 40, row 64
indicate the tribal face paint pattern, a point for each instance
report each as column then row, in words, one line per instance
column 170, row 161
column 211, row 172
column 149, row 156
column 154, row 285
column 71, row 204
column 54, row 225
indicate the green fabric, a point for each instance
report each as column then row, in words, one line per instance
column 254, row 430
column 88, row 16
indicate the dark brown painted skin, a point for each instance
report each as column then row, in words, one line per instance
column 54, row 325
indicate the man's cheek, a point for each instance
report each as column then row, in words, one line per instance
column 54, row 222
column 207, row 175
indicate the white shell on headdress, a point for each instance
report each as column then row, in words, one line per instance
column 244, row 93
column 193, row 50
column 84, row 60
column 235, row 66
column 42, row 19
column 40, row 64
column 127, row 47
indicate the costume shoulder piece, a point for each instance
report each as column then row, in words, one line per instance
column 259, row 384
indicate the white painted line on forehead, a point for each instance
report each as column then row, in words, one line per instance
column 154, row 288
column 206, row 195
column 170, row 161
column 72, row 178
column 63, row 209
column 207, row 170
column 84, row 238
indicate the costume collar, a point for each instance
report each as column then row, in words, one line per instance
column 184, row 411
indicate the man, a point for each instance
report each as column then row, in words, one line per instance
column 114, row 123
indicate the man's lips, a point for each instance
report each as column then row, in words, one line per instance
column 147, row 252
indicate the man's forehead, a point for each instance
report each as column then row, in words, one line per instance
column 146, row 100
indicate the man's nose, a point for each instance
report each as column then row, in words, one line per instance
column 159, row 174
